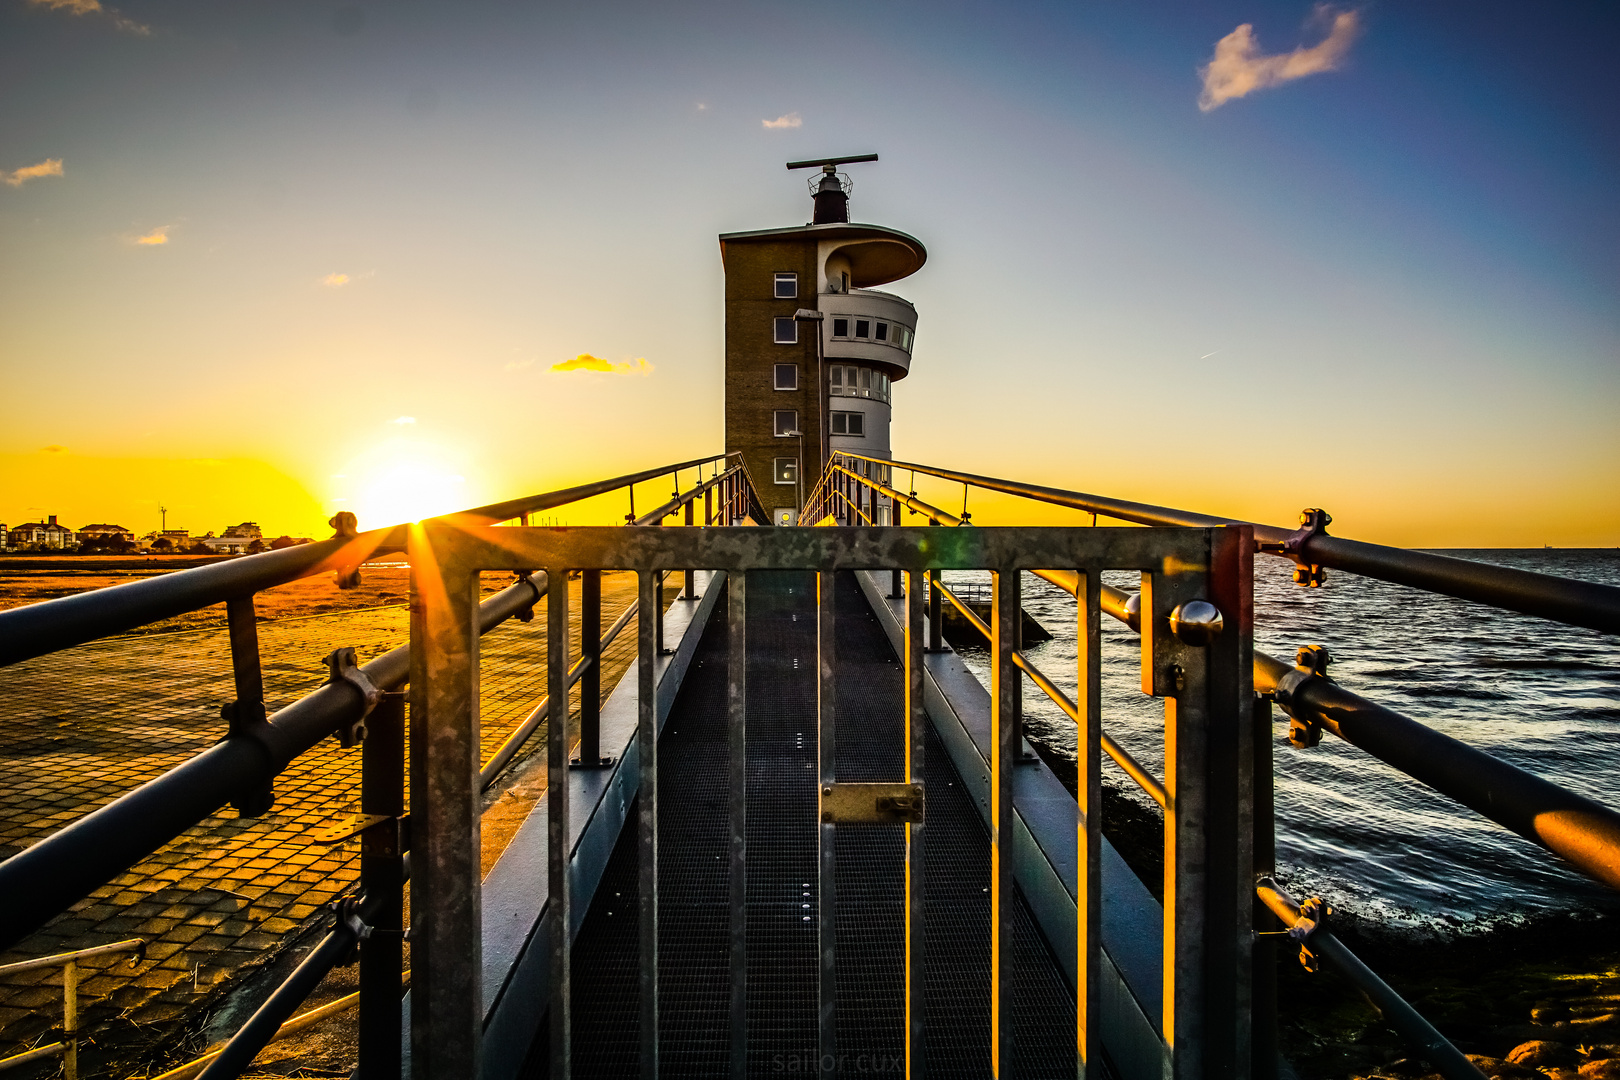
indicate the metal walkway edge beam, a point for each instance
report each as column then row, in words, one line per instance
column 1578, row 603
column 45, row 879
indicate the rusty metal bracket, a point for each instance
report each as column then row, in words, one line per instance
column 872, row 804
column 525, row 576
column 246, row 720
column 1313, row 522
column 346, row 917
column 1313, row 916
column 1311, row 663
column 341, row 668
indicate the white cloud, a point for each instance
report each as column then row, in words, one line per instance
column 403, row 420
column 19, row 177
column 159, row 235
column 93, row 7
column 519, row 365
column 587, row 362
column 790, row 120
column 335, row 281
column 1239, row 68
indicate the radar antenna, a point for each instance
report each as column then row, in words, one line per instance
column 831, row 189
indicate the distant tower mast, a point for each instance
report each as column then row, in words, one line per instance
column 163, row 516
column 831, row 190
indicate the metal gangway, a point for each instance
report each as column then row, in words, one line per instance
column 760, row 852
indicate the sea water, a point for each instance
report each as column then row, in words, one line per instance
column 1536, row 693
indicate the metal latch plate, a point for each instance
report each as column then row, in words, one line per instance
column 871, row 804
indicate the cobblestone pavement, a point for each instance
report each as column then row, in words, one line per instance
column 81, row 727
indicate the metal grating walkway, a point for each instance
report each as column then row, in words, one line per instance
column 782, row 806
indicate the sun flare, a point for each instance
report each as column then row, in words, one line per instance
column 401, row 482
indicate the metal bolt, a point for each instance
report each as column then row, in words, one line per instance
column 1197, row 622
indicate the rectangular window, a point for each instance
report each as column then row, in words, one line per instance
column 863, row 328
column 787, row 331
column 882, row 333
column 866, row 378
column 840, row 328
column 835, row 378
column 848, row 423
column 787, row 421
column 787, row 470
column 787, row 286
column 787, row 376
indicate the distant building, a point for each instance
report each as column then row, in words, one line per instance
column 42, row 535
column 5, row 537
column 102, row 533
column 235, row 540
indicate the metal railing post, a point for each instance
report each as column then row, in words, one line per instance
column 1208, row 768
column 737, row 744
column 1088, row 886
column 827, row 832
column 590, row 679
column 936, row 629
column 70, row 1020
column 1264, row 962
column 382, row 877
column 1006, row 743
column 916, row 729
column 447, row 1008
column 242, row 628
column 647, row 821
column 559, row 902
column 690, row 591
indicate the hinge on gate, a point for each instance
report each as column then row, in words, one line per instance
column 871, row 804
column 1313, row 522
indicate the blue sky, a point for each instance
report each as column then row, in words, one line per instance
column 1387, row 288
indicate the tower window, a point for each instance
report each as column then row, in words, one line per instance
column 787, row 470
column 863, row 328
column 848, row 423
column 882, row 333
column 787, row 331
column 840, row 328
column 787, row 376
column 787, row 422
column 835, row 378
column 787, row 286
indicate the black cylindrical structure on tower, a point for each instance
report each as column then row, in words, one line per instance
column 832, row 202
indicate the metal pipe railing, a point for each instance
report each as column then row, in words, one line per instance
column 653, row 517
column 44, row 879
column 537, row 716
column 1584, row 832
column 512, row 509
column 51, row 625
column 1578, row 603
column 1122, row 757
column 1450, row 1061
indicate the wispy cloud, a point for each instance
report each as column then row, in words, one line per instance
column 53, row 449
column 335, row 281
column 159, row 235
column 790, row 120
column 94, row 7
column 403, row 420
column 1239, row 68
column 19, row 177
column 587, row 362
column 518, row 365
